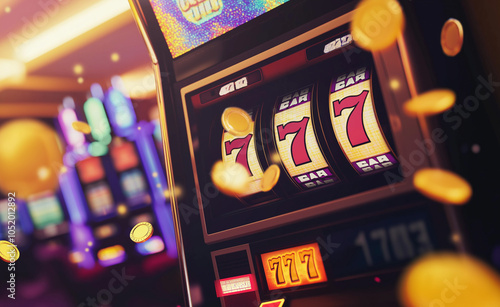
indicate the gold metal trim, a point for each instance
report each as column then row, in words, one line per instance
column 141, row 24
column 166, row 148
column 170, row 180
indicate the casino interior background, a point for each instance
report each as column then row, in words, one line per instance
column 75, row 44
column 75, row 207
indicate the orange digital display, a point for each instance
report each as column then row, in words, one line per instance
column 355, row 123
column 296, row 266
column 90, row 169
column 124, row 156
column 242, row 150
column 296, row 141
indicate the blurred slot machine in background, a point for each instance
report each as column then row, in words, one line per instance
column 344, row 218
column 113, row 183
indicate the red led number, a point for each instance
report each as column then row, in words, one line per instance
column 355, row 129
column 299, row 150
column 242, row 155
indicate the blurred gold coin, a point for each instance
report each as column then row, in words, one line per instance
column 8, row 251
column 376, row 24
column 443, row 186
column 447, row 279
column 230, row 178
column 452, row 37
column 430, row 103
column 141, row 232
column 81, row 127
column 236, row 121
column 270, row 178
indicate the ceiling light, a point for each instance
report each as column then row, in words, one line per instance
column 71, row 28
column 12, row 70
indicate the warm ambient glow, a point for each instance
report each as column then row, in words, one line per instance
column 79, row 24
column 12, row 70
column 115, row 57
column 139, row 83
column 78, row 69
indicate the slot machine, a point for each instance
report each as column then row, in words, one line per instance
column 344, row 218
column 112, row 184
column 21, row 233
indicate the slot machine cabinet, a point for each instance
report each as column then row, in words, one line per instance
column 109, row 192
column 344, row 218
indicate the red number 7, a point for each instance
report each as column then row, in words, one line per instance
column 355, row 129
column 241, row 156
column 299, row 150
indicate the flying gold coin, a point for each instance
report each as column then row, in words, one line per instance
column 270, row 178
column 452, row 37
column 236, row 121
column 430, row 103
column 8, row 251
column 141, row 232
column 376, row 24
column 81, row 127
column 230, row 178
column 447, row 279
column 443, row 186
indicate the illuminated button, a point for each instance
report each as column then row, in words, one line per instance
column 275, row 303
column 111, row 252
column 376, row 24
column 235, row 285
column 452, row 37
column 111, row 255
column 447, row 279
column 430, row 103
column 152, row 246
column 442, row 186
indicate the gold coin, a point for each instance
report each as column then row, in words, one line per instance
column 81, row 127
column 447, row 279
column 430, row 103
column 376, row 24
column 230, row 178
column 452, row 37
column 270, row 178
column 141, row 232
column 443, row 186
column 8, row 251
column 236, row 121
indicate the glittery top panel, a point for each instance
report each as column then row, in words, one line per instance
column 187, row 24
